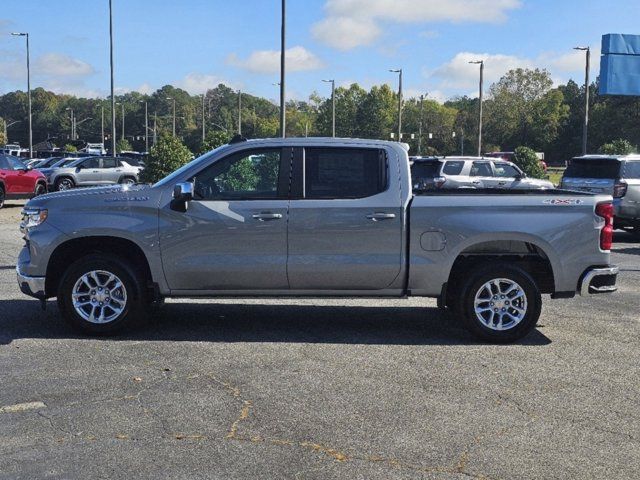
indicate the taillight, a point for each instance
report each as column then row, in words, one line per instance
column 439, row 181
column 605, row 210
column 620, row 189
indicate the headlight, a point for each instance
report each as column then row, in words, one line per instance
column 32, row 217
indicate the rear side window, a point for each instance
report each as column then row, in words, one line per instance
column 452, row 167
column 632, row 170
column 109, row 163
column 593, row 168
column 344, row 172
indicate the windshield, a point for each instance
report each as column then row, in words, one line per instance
column 64, row 162
column 172, row 176
column 593, row 168
column 15, row 163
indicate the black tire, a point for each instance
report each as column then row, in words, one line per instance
column 41, row 189
column 64, row 181
column 464, row 303
column 127, row 181
column 1, row 197
column 134, row 293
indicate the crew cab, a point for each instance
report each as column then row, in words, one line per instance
column 17, row 181
column 320, row 217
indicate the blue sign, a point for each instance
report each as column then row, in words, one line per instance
column 620, row 65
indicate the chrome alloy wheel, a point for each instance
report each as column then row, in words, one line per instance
column 99, row 296
column 65, row 184
column 500, row 304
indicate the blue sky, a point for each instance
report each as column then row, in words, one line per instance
column 196, row 44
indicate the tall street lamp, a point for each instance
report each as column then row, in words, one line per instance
column 481, row 63
column 239, row 112
column 203, row 133
column 146, row 126
column 585, row 124
column 399, row 72
column 333, row 106
column 283, row 112
column 113, row 98
column 174, row 114
column 420, row 125
column 18, row 34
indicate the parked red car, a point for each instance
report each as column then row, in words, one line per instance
column 17, row 181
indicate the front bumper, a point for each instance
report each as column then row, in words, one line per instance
column 32, row 286
column 599, row 280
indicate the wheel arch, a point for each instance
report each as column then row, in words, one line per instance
column 76, row 248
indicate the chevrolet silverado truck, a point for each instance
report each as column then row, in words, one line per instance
column 313, row 217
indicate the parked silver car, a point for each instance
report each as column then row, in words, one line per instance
column 431, row 173
column 90, row 171
column 614, row 175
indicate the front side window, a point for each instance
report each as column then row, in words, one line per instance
column 91, row 163
column 4, row 164
column 481, row 169
column 504, row 170
column 249, row 175
column 344, row 172
column 15, row 163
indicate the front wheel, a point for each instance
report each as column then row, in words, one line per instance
column 1, row 197
column 100, row 295
column 41, row 189
column 499, row 303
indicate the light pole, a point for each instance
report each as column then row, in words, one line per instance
column 399, row 72
column 73, row 123
column 146, row 126
column 333, row 106
column 122, row 133
column 102, row 124
column 481, row 63
column 203, row 133
column 420, row 125
column 283, row 112
column 18, row 34
column 7, row 125
column 174, row 114
column 113, row 98
column 239, row 112
column 585, row 125
column 155, row 128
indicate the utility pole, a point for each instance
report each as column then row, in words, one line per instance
column 420, row 125
column 122, row 133
column 481, row 63
column 239, row 112
column 113, row 98
column 146, row 126
column 155, row 128
column 17, row 34
column 203, row 133
column 333, row 106
column 174, row 115
column 585, row 124
column 283, row 112
column 399, row 72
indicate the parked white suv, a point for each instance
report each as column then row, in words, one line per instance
column 429, row 173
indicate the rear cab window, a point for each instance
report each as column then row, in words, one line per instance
column 343, row 173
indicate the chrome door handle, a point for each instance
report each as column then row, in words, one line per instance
column 476, row 182
column 381, row 216
column 267, row 216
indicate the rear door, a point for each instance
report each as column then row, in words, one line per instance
column 111, row 170
column 594, row 175
column 345, row 220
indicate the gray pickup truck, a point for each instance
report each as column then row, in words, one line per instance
column 313, row 217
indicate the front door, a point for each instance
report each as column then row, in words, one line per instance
column 505, row 176
column 110, row 171
column 233, row 235
column 345, row 220
column 88, row 172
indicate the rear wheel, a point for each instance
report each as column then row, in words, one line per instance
column 1, row 197
column 100, row 295
column 499, row 303
column 41, row 189
column 64, row 183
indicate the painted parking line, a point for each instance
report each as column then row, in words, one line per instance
column 22, row 407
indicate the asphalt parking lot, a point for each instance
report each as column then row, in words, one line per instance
column 320, row 389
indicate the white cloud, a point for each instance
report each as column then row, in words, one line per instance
column 353, row 23
column 58, row 64
column 198, row 83
column 268, row 61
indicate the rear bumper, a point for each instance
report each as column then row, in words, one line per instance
column 32, row 286
column 599, row 280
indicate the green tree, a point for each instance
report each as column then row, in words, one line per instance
column 70, row 148
column 617, row 147
column 166, row 156
column 528, row 162
column 523, row 109
column 3, row 139
column 123, row 145
column 213, row 140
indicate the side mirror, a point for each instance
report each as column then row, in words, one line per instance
column 182, row 194
column 519, row 176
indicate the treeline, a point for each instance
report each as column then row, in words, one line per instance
column 522, row 109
